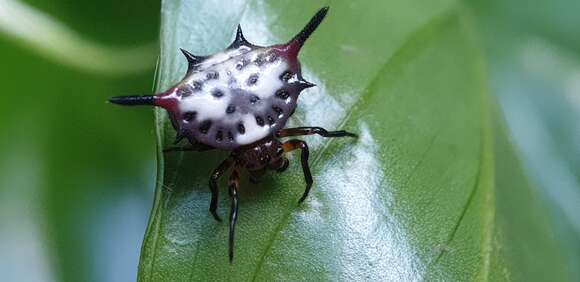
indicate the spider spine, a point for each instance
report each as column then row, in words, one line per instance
column 240, row 40
column 133, row 100
column 192, row 60
column 310, row 27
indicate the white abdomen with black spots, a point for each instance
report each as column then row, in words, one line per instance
column 237, row 98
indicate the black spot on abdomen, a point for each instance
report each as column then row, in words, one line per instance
column 259, row 121
column 282, row 94
column 205, row 126
column 286, row 76
column 212, row 75
column 278, row 111
column 189, row 116
column 217, row 93
column 253, row 79
column 241, row 128
column 254, row 99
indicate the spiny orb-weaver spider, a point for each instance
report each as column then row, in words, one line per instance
column 240, row 100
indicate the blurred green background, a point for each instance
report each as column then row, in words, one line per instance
column 77, row 175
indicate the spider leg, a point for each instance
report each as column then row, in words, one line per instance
column 284, row 166
column 292, row 145
column 213, row 179
column 298, row 131
column 234, row 184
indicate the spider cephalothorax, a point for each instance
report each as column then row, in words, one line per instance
column 240, row 100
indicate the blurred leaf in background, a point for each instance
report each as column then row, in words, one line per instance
column 533, row 54
column 76, row 174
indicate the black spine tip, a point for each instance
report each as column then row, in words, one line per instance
column 192, row 59
column 311, row 26
column 303, row 84
column 132, row 100
column 240, row 40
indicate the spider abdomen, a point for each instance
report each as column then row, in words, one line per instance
column 237, row 101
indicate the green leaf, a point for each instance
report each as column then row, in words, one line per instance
column 413, row 198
